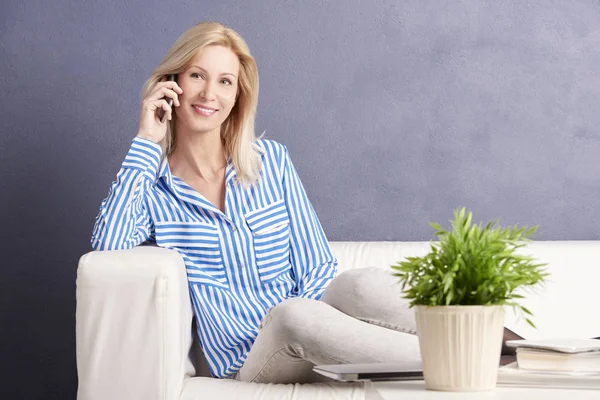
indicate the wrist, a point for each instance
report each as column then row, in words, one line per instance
column 148, row 137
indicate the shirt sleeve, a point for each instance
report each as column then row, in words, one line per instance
column 312, row 261
column 124, row 221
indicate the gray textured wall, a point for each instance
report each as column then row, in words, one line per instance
column 394, row 113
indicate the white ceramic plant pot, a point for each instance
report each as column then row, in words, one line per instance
column 460, row 346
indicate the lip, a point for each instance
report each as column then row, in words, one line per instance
column 205, row 107
column 204, row 112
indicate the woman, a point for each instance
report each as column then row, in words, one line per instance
column 260, row 270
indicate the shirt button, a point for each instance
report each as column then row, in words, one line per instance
column 242, row 265
column 234, row 229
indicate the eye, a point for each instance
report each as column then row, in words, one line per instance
column 226, row 82
column 195, row 74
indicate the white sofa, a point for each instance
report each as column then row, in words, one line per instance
column 134, row 320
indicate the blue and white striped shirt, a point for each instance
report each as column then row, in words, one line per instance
column 267, row 247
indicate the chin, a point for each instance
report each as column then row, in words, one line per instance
column 201, row 128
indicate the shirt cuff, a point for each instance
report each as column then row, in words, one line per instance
column 144, row 155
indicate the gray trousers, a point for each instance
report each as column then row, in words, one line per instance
column 361, row 318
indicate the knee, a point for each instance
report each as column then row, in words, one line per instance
column 357, row 285
column 292, row 317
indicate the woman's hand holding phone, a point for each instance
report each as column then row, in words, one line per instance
column 157, row 109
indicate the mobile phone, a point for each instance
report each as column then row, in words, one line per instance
column 171, row 77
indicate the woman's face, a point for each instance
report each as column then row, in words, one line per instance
column 209, row 88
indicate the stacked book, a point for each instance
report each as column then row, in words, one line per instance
column 573, row 363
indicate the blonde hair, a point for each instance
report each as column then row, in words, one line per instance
column 237, row 131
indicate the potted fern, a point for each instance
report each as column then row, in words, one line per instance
column 459, row 290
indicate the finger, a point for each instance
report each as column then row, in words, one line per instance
column 168, row 110
column 161, row 104
column 153, row 105
column 172, row 85
column 165, row 92
column 171, row 94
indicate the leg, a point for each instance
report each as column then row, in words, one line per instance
column 372, row 295
column 300, row 333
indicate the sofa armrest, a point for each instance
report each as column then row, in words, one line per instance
column 133, row 324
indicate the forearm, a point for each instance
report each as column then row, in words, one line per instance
column 123, row 220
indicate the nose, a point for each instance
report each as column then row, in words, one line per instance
column 207, row 92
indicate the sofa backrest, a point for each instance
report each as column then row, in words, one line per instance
column 568, row 305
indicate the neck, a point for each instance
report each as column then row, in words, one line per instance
column 198, row 154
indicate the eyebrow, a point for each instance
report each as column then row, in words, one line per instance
column 224, row 73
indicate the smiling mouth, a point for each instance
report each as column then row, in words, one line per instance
column 206, row 112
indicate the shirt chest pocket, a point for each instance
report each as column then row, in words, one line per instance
column 270, row 228
column 199, row 245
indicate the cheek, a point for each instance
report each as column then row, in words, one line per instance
column 229, row 101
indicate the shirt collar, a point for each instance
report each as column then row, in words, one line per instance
column 165, row 171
